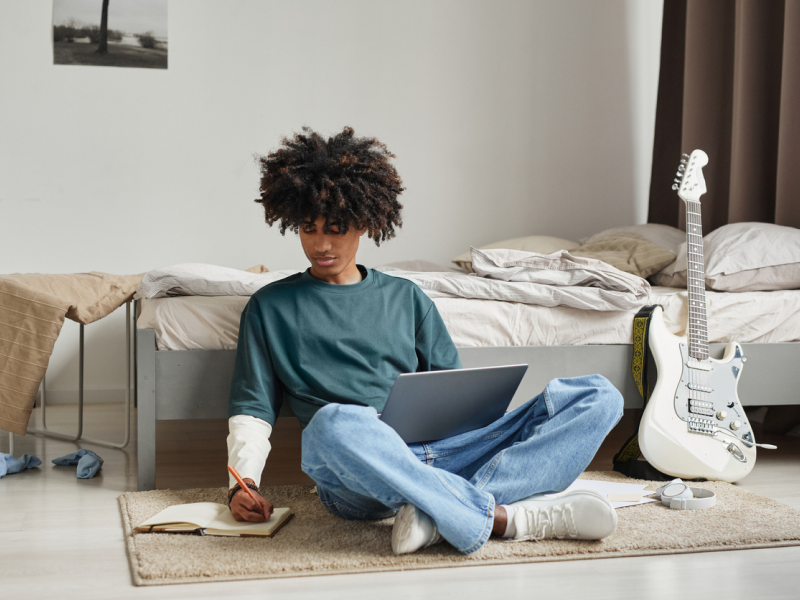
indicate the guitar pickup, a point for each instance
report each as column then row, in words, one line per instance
column 694, row 364
column 699, row 388
column 701, row 403
column 701, row 407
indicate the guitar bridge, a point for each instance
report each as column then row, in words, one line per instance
column 698, row 425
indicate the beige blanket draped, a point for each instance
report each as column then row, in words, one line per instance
column 32, row 311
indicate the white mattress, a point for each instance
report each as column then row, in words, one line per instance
column 212, row 322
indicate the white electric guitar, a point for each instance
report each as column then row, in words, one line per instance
column 694, row 425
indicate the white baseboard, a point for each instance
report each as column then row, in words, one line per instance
column 109, row 396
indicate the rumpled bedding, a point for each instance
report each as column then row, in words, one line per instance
column 200, row 279
column 557, row 279
column 32, row 310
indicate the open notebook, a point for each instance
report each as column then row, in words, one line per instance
column 210, row 518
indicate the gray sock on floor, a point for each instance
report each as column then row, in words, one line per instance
column 88, row 462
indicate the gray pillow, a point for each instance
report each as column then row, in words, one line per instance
column 743, row 257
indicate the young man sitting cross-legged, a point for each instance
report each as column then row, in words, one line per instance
column 333, row 339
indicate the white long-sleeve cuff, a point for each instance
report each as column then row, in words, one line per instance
column 248, row 446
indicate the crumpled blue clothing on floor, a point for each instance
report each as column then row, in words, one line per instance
column 88, row 462
column 9, row 464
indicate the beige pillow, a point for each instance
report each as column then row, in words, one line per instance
column 743, row 257
column 258, row 269
column 542, row 244
column 627, row 252
column 665, row 236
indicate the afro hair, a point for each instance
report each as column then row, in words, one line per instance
column 348, row 180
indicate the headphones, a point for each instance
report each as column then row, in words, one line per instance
column 680, row 496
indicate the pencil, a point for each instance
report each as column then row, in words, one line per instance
column 243, row 485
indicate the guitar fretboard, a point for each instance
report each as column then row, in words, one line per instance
column 696, row 283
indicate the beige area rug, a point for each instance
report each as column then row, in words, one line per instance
column 315, row 542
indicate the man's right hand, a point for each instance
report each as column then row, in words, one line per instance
column 244, row 508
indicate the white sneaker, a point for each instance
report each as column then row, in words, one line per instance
column 578, row 515
column 412, row 530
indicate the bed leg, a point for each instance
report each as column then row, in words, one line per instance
column 146, row 411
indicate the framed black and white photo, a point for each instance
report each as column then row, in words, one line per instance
column 110, row 33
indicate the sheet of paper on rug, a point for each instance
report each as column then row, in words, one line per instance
column 624, row 497
column 609, row 488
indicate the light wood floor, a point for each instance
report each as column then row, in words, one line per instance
column 62, row 537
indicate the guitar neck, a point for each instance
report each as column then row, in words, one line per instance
column 696, row 283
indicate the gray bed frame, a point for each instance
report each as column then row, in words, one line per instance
column 194, row 384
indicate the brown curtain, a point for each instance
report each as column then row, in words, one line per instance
column 730, row 85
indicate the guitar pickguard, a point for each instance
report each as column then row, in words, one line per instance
column 706, row 397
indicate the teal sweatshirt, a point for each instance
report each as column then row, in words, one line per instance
column 314, row 343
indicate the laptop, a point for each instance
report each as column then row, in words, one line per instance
column 433, row 405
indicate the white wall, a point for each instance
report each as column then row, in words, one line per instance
column 508, row 118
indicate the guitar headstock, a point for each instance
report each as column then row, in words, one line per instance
column 689, row 182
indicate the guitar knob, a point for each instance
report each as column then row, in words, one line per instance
column 675, row 186
column 721, row 415
column 735, row 425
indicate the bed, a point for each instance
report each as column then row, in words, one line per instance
column 186, row 347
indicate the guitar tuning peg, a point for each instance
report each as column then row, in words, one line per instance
column 678, row 174
column 686, row 156
column 675, row 186
column 678, row 181
column 682, row 167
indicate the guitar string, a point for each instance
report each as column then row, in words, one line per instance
column 696, row 304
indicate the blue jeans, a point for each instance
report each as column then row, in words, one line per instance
column 364, row 470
